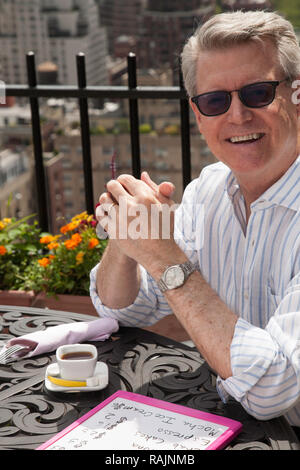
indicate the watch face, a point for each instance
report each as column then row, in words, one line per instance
column 174, row 276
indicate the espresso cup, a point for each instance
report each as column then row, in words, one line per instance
column 76, row 361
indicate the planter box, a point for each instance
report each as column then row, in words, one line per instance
column 67, row 303
column 17, row 297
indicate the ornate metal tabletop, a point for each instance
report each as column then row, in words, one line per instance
column 139, row 361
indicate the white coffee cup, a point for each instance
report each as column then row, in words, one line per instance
column 76, row 361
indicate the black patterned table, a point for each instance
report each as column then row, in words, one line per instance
column 139, row 361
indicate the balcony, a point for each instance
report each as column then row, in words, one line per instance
column 82, row 92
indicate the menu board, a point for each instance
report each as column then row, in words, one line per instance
column 129, row 421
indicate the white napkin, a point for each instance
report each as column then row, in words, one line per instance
column 51, row 338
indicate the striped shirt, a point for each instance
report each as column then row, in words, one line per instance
column 255, row 269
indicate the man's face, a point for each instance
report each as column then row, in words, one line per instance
column 263, row 160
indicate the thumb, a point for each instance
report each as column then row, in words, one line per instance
column 166, row 189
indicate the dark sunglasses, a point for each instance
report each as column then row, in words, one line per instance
column 255, row 95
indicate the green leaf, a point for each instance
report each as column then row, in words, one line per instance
column 31, row 248
column 13, row 234
column 18, row 222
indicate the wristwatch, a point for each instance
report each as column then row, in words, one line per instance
column 175, row 276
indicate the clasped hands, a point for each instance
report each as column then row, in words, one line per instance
column 138, row 216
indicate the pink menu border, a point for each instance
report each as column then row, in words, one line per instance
column 234, row 427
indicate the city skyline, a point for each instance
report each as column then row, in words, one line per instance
column 109, row 125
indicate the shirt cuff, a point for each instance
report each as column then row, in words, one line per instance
column 223, row 394
column 142, row 312
column 252, row 352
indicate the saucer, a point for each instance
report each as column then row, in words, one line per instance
column 53, row 370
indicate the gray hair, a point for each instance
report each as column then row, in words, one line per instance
column 228, row 29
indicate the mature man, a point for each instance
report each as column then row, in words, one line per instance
column 238, row 223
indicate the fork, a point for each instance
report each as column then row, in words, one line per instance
column 5, row 356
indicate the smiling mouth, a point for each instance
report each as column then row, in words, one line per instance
column 245, row 139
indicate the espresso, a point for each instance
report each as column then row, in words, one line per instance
column 77, row 355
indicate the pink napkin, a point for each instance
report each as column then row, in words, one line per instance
column 50, row 339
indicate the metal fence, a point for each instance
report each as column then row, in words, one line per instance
column 82, row 92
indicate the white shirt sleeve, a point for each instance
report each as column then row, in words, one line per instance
column 266, row 362
column 148, row 307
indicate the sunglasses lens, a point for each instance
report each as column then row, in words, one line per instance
column 257, row 96
column 212, row 104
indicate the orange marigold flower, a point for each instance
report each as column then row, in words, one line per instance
column 44, row 262
column 69, row 227
column 46, row 239
column 52, row 245
column 73, row 225
column 65, row 229
column 73, row 241
column 79, row 257
column 92, row 243
column 3, row 250
column 70, row 244
column 76, row 238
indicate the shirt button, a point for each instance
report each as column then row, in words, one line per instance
column 246, row 295
column 253, row 242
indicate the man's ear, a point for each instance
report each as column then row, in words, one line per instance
column 197, row 114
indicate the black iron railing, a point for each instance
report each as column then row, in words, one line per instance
column 82, row 92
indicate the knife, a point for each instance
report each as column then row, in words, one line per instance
column 14, row 389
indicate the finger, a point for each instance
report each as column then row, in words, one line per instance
column 113, row 198
column 117, row 190
column 105, row 203
column 166, row 188
column 131, row 184
column 106, row 214
column 146, row 178
column 105, row 198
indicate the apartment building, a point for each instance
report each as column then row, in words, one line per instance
column 16, row 184
column 166, row 25
column 22, row 29
column 55, row 30
column 154, row 29
column 229, row 5
column 55, row 191
column 122, row 20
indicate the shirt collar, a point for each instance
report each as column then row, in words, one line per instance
column 285, row 192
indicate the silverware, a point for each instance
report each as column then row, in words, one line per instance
column 6, row 356
column 17, row 388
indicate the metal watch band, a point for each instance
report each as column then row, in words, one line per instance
column 162, row 285
column 187, row 267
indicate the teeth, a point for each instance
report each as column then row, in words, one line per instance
column 245, row 137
